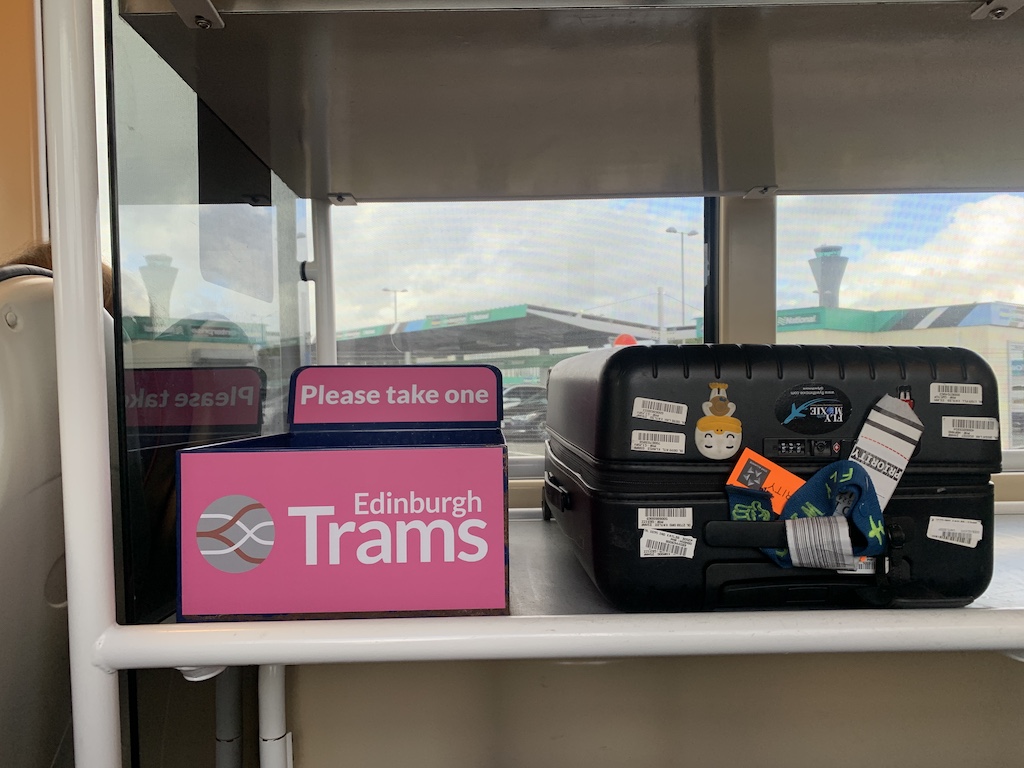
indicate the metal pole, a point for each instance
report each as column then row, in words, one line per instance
column 69, row 90
column 228, row 709
column 394, row 292
column 682, row 273
column 661, row 315
column 682, row 263
column 273, row 724
column 323, row 258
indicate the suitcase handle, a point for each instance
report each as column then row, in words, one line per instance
column 555, row 495
column 742, row 533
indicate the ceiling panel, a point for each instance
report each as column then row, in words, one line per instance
column 622, row 101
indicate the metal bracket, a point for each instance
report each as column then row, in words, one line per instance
column 199, row 674
column 997, row 10
column 345, row 198
column 198, row 14
column 765, row 191
column 307, row 271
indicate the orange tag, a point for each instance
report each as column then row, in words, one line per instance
column 753, row 470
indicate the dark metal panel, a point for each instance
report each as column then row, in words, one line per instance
column 637, row 101
column 467, row 105
column 897, row 98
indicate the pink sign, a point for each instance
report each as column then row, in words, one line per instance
column 178, row 397
column 342, row 531
column 378, row 395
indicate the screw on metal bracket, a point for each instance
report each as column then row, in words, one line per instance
column 996, row 10
column 202, row 22
column 11, row 319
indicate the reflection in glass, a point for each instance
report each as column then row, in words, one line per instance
column 214, row 315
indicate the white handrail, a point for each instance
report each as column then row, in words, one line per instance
column 81, row 374
column 559, row 637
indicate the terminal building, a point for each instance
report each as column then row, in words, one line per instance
column 525, row 340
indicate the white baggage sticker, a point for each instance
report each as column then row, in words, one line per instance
column 654, row 543
column 664, row 517
column 969, row 428
column 657, row 442
column 861, row 565
column 659, row 410
column 955, row 530
column 955, row 394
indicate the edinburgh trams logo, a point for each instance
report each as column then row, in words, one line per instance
column 235, row 534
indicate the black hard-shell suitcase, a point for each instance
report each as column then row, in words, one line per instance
column 802, row 407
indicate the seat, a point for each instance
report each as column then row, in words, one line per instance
column 35, row 699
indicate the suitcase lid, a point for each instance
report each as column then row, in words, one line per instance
column 693, row 408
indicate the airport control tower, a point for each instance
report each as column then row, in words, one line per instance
column 828, row 266
column 158, row 276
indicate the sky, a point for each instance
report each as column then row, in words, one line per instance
column 905, row 250
column 604, row 257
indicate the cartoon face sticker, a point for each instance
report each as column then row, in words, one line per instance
column 718, row 433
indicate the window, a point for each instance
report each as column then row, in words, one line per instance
column 213, row 311
column 921, row 269
column 517, row 284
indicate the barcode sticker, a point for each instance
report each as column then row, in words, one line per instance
column 970, row 429
column 658, row 442
column 820, row 542
column 955, row 530
column 664, row 517
column 655, row 543
column 659, row 410
column 861, row 565
column 955, row 394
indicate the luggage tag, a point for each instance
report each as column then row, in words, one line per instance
column 753, row 471
column 885, row 444
column 834, row 520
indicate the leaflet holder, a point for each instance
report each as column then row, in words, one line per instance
column 387, row 497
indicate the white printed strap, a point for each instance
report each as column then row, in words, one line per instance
column 820, row 542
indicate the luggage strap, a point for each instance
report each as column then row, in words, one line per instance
column 832, row 521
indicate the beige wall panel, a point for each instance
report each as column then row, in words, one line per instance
column 20, row 216
column 747, row 286
column 788, row 711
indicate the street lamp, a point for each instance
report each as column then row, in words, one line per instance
column 682, row 262
column 395, row 292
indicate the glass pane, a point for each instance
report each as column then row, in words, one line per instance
column 214, row 315
column 516, row 284
column 921, row 269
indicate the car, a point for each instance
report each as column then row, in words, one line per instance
column 526, row 420
column 513, row 395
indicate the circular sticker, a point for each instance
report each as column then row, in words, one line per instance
column 812, row 409
column 235, row 534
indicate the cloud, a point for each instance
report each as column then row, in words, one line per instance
column 605, row 257
column 975, row 258
column 972, row 258
column 587, row 255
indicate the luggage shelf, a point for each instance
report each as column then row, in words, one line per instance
column 557, row 613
